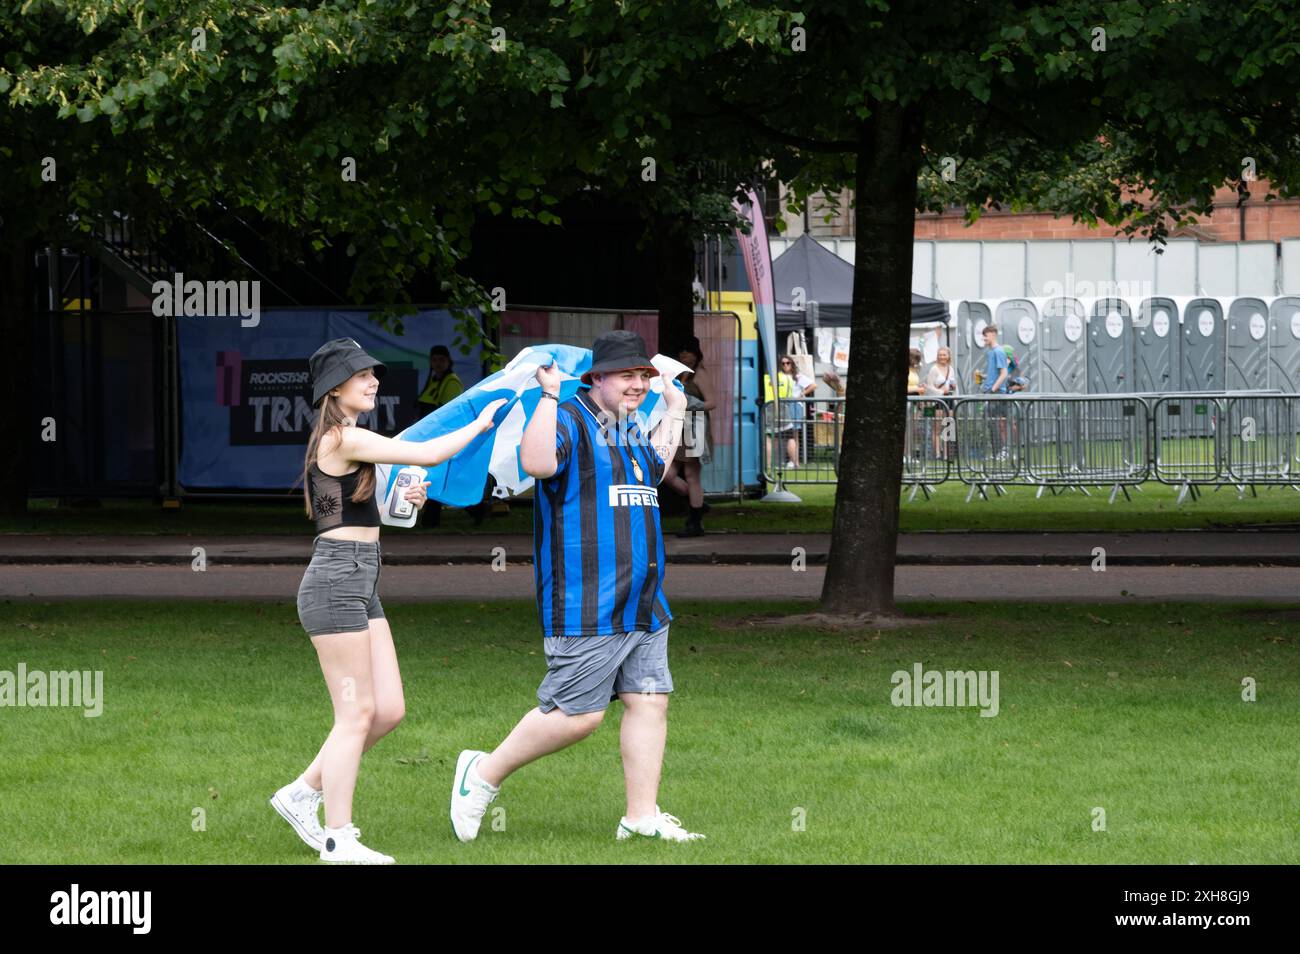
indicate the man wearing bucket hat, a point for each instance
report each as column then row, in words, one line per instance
column 598, row 557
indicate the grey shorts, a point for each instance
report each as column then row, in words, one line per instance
column 339, row 593
column 584, row 673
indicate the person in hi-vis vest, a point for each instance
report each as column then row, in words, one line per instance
column 442, row 386
column 790, row 385
column 443, row 383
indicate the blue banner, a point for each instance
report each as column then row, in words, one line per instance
column 246, row 409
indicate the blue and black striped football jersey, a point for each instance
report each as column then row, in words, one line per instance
column 598, row 550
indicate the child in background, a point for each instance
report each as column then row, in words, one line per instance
column 1015, row 380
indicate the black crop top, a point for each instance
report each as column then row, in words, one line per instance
column 331, row 501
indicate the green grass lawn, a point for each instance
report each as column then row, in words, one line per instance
column 1153, row 507
column 1135, row 710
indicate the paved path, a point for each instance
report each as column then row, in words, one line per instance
column 1180, row 547
column 400, row 584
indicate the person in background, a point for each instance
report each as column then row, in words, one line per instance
column 794, row 386
column 941, row 382
column 914, row 372
column 1016, row 381
column 914, row 388
column 776, row 430
column 442, row 386
column 443, row 383
column 684, row 473
column 996, row 371
column 834, row 416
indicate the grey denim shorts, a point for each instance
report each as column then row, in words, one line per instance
column 339, row 593
column 585, row 673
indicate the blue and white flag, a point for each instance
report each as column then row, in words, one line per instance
column 459, row 482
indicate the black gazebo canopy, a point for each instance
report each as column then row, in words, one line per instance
column 828, row 280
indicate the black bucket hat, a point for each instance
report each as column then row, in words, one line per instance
column 336, row 361
column 618, row 351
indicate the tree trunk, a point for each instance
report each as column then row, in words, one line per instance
column 864, row 527
column 674, row 248
column 17, row 306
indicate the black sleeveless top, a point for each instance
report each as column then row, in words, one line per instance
column 331, row 500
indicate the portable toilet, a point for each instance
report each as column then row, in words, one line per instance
column 972, row 316
column 1201, row 352
column 1061, row 347
column 1284, row 344
column 1155, row 344
column 1017, row 319
column 720, row 474
column 1247, row 345
column 1110, row 347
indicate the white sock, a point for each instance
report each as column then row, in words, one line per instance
column 481, row 780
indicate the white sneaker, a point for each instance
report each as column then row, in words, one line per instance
column 299, row 805
column 343, row 848
column 470, row 796
column 659, row 825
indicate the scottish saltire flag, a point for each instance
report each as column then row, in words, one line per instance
column 459, row 482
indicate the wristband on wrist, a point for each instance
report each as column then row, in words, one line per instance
column 553, row 397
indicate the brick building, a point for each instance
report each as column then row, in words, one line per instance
column 1254, row 220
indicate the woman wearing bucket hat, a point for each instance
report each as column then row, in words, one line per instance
column 338, row 599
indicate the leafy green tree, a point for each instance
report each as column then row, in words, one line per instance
column 1130, row 114
column 390, row 126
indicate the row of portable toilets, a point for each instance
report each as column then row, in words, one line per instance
column 1125, row 345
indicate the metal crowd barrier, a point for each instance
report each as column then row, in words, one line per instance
column 802, row 446
column 1058, row 442
column 1260, row 435
column 1237, row 439
column 930, row 449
